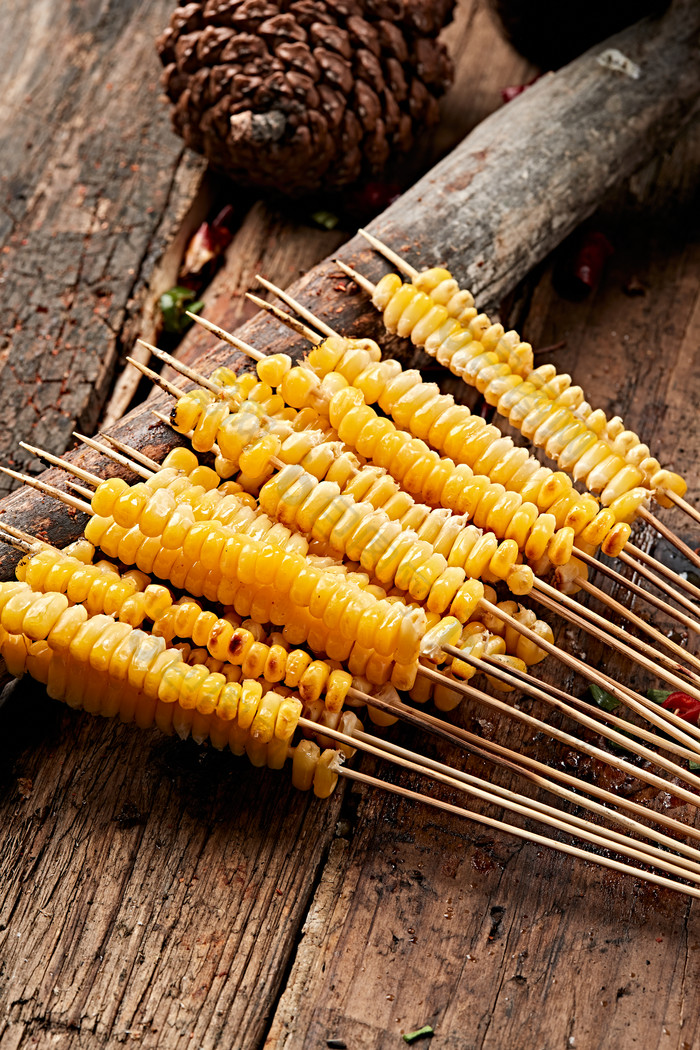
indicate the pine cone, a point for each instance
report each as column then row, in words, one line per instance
column 297, row 95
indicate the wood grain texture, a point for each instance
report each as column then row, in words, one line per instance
column 93, row 187
column 413, row 919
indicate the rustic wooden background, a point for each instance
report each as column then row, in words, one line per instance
column 163, row 894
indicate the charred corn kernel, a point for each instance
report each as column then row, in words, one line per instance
column 297, row 663
column 616, row 540
column 287, row 718
column 304, row 763
column 314, row 679
column 253, row 663
column 339, row 682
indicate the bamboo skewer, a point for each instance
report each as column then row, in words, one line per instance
column 56, row 461
column 681, row 732
column 112, row 454
column 590, row 625
column 134, row 453
column 320, row 325
column 559, row 601
column 479, row 818
column 634, row 554
column 475, row 787
column 620, row 692
column 566, row 738
column 686, row 507
column 577, row 711
column 559, row 817
column 630, row 585
column 669, row 535
column 541, row 773
column 675, row 726
column 220, row 333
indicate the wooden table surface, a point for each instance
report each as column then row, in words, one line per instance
column 162, row 894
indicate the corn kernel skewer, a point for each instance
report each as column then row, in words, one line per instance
column 662, row 675
column 620, row 692
column 492, row 609
column 283, row 316
column 42, row 616
column 297, row 306
column 327, row 769
column 631, row 450
column 659, row 657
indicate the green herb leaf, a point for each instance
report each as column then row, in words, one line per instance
column 173, row 305
column 420, row 1033
column 605, row 701
column 658, row 696
column 693, row 765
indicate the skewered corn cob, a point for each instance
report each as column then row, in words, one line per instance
column 538, row 406
column 216, row 562
column 108, row 668
column 442, row 289
column 500, row 466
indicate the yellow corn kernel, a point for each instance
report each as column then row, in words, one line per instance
column 325, row 774
column 313, row 680
column 251, row 695
column 66, row 627
column 228, row 700
column 339, row 682
column 304, row 762
column 287, row 718
column 297, row 663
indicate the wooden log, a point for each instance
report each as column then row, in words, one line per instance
column 494, row 207
column 95, row 186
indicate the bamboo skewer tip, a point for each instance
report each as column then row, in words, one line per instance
column 389, row 253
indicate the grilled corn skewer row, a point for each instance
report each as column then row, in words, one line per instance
column 434, row 480
column 550, row 424
column 109, row 668
column 220, row 564
column 434, row 416
column 443, row 290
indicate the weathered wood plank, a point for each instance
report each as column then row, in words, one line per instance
column 93, row 187
column 402, row 870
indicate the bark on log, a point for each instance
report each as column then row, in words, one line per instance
column 93, row 188
column 495, row 206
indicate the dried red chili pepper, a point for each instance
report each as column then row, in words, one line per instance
column 686, row 707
